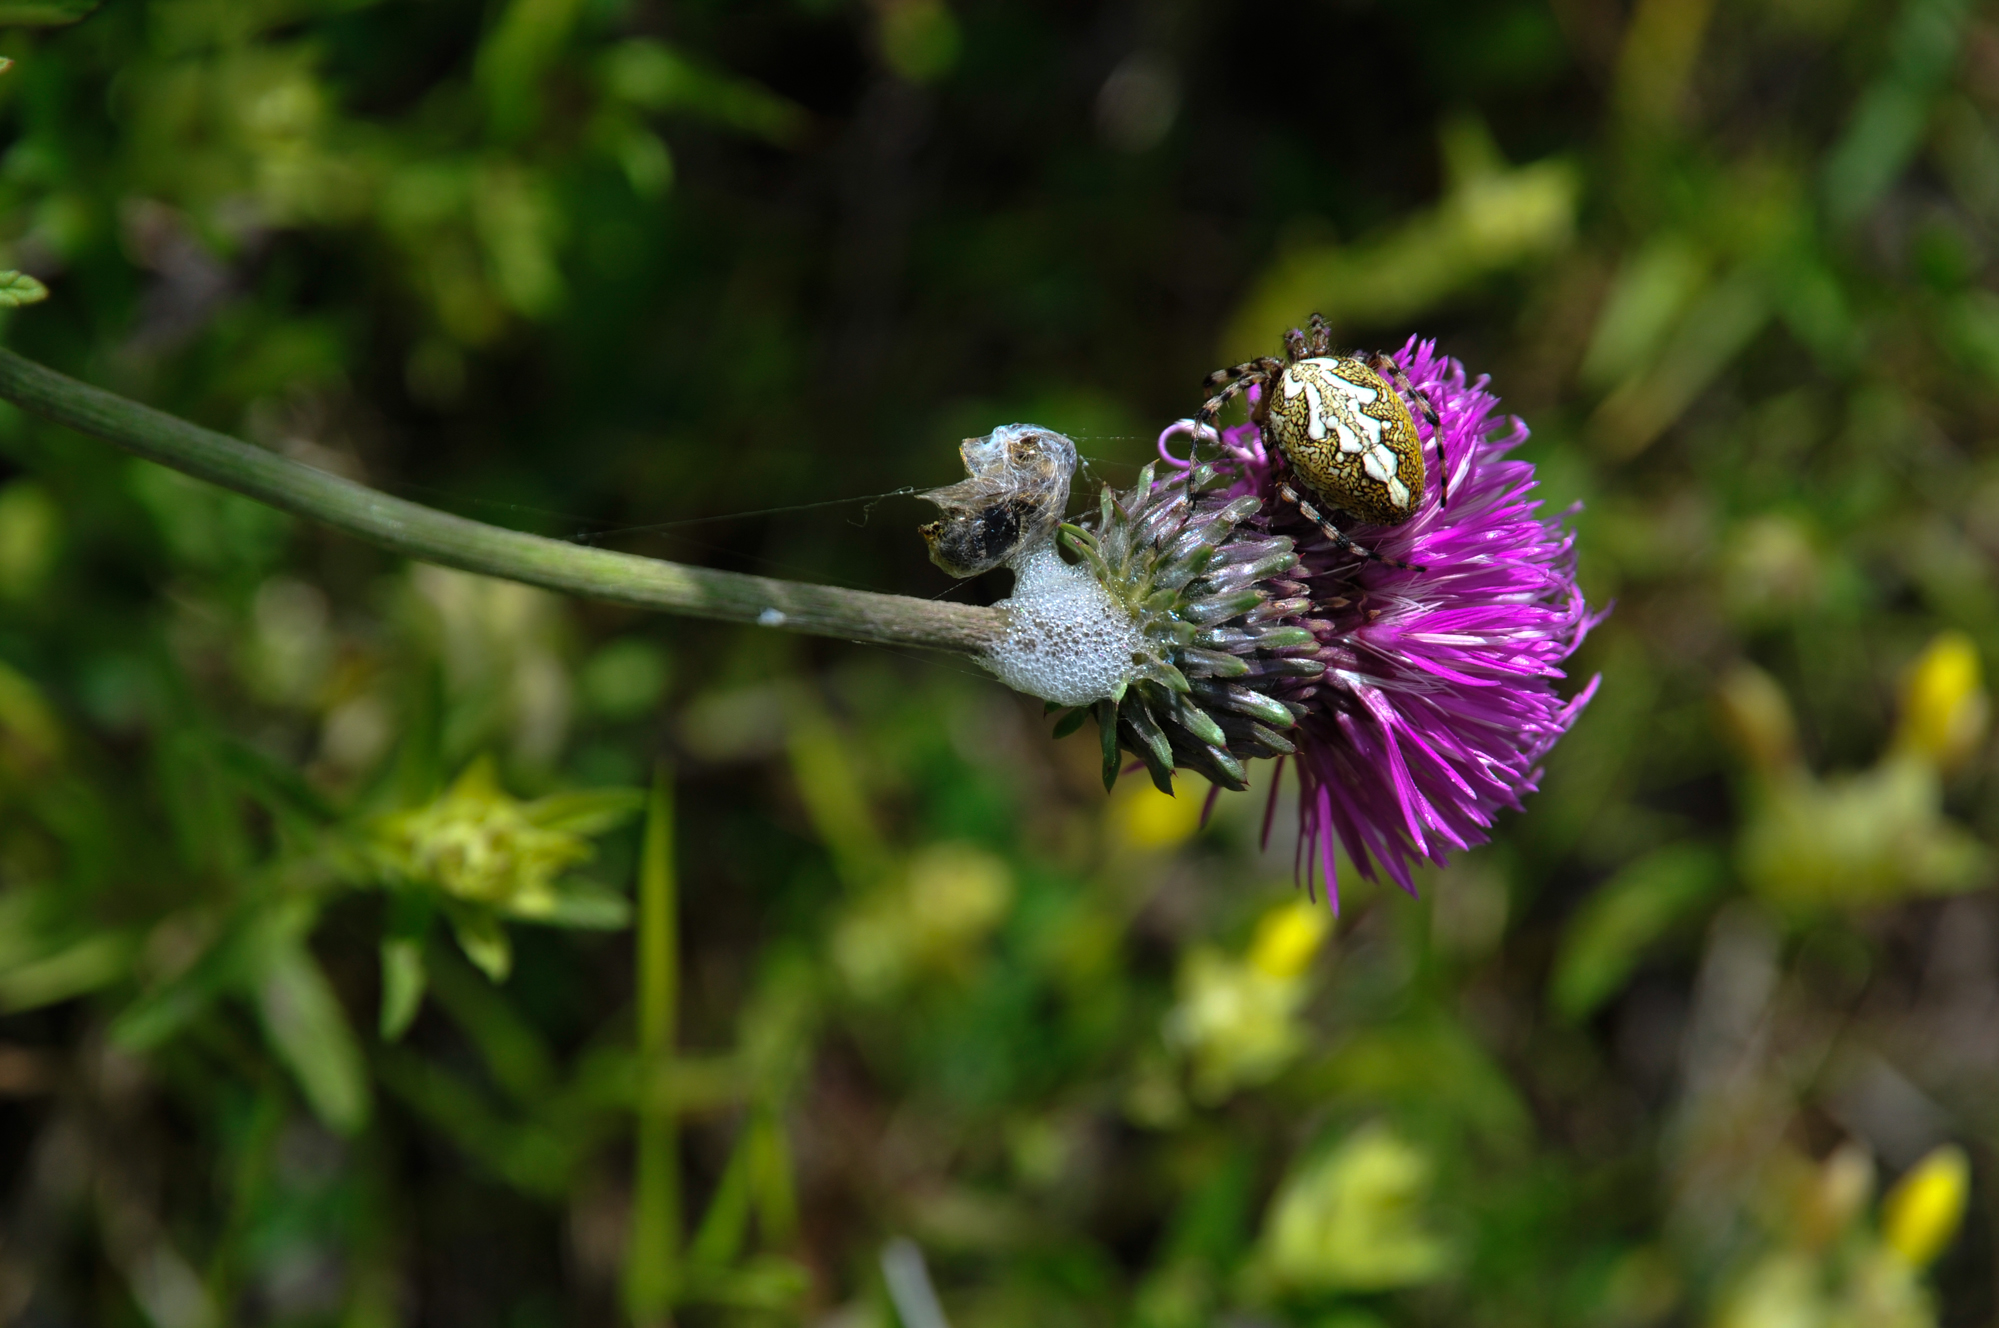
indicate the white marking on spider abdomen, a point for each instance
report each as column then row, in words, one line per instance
column 1334, row 405
column 1379, row 463
column 1315, row 412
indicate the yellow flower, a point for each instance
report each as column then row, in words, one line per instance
column 1921, row 1214
column 1145, row 818
column 481, row 845
column 1287, row 938
column 1944, row 706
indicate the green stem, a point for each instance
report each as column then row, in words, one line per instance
column 438, row 537
column 652, row 1254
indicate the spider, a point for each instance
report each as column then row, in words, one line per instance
column 1344, row 428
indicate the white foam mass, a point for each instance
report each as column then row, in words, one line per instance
column 1067, row 640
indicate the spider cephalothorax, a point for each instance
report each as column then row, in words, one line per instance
column 1345, row 427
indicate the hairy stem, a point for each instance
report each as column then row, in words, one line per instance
column 425, row 533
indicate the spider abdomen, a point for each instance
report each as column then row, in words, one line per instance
column 1349, row 438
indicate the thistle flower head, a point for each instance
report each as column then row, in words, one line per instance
column 1437, row 700
column 1206, row 621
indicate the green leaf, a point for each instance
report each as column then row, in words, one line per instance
column 654, row 77
column 310, row 1032
column 758, row 1175
column 26, row 920
column 1356, row 1218
column 158, row 1015
column 279, row 787
column 484, row 940
column 1611, row 932
column 230, row 959
column 653, row 1268
column 1890, row 120
column 727, row 1221
column 1426, row 1059
column 419, row 764
column 89, row 965
column 403, row 982
column 587, row 905
column 532, row 1158
column 585, row 812
column 1072, row 721
column 18, row 288
column 920, row 41
column 528, row 37
column 773, row 1185
column 515, row 1055
column 766, row 1282
column 404, row 977
column 43, row 14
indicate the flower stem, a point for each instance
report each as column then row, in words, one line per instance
column 425, row 533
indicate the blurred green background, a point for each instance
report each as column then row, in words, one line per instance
column 381, row 945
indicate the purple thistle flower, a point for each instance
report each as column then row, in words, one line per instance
column 1438, row 701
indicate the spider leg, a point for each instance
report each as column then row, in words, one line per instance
column 1334, row 533
column 1295, row 346
column 1320, row 338
column 1210, row 412
column 1248, row 369
column 1231, row 383
column 1386, row 366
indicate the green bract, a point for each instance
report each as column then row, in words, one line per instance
column 1208, row 597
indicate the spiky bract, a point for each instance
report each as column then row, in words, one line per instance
column 1210, row 596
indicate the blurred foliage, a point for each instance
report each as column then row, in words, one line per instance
column 340, row 983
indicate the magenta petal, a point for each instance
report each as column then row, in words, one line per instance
column 1439, row 701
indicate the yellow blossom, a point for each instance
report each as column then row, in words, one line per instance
column 1921, row 1214
column 1287, row 938
column 483, row 846
column 1145, row 818
column 1944, row 705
